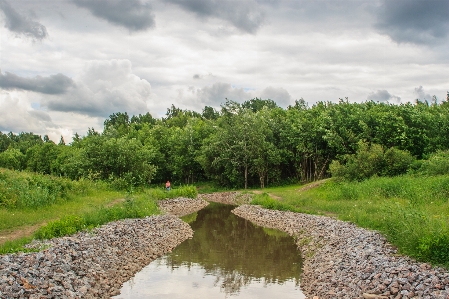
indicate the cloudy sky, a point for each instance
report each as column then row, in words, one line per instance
column 66, row 65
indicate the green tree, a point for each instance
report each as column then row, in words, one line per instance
column 12, row 158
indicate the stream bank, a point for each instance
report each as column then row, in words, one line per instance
column 342, row 260
column 94, row 264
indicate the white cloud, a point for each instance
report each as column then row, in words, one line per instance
column 16, row 115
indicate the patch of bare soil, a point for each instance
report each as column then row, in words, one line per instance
column 312, row 185
column 114, row 202
column 27, row 231
column 232, row 198
column 17, row 233
column 269, row 194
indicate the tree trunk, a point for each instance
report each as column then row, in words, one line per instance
column 246, row 176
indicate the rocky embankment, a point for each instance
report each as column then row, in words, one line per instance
column 95, row 264
column 230, row 198
column 344, row 261
column 181, row 206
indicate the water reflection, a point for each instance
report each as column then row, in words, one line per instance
column 228, row 256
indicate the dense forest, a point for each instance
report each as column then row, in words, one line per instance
column 256, row 143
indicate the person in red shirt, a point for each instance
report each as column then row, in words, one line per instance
column 167, row 186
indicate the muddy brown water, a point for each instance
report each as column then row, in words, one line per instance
column 228, row 256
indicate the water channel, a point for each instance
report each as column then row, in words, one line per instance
column 228, row 256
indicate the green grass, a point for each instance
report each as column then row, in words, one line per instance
column 411, row 211
column 81, row 208
column 210, row 187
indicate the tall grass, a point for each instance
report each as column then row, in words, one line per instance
column 411, row 211
column 137, row 206
column 20, row 190
column 62, row 207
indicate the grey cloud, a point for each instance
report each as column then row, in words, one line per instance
column 196, row 76
column 20, row 24
column 383, row 96
column 54, row 84
column 218, row 93
column 244, row 15
column 40, row 115
column 414, row 21
column 419, row 92
column 131, row 14
column 279, row 95
column 103, row 88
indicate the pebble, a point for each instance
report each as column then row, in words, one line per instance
column 95, row 264
column 342, row 260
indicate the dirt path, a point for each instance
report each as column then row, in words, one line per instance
column 312, row 185
column 19, row 232
column 269, row 194
column 28, row 230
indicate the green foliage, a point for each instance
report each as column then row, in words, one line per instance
column 437, row 164
column 13, row 159
column 256, row 143
column 182, row 191
column 138, row 207
column 27, row 190
column 267, row 202
column 16, row 246
column 370, row 161
column 397, row 162
column 411, row 211
column 63, row 227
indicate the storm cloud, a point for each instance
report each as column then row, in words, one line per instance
column 54, row 84
column 20, row 24
column 244, row 15
column 414, row 21
column 131, row 14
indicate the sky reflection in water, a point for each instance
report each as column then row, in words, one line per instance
column 227, row 257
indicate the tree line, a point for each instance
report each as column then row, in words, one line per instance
column 254, row 143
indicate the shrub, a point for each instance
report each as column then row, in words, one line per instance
column 13, row 159
column 370, row 161
column 397, row 162
column 58, row 228
column 437, row 164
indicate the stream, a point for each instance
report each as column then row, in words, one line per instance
column 228, row 256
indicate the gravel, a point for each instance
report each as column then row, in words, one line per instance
column 94, row 264
column 342, row 260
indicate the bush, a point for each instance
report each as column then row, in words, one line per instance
column 63, row 227
column 370, row 161
column 30, row 190
column 183, row 191
column 13, row 159
column 437, row 164
column 397, row 162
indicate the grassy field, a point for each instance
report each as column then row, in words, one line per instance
column 412, row 212
column 43, row 207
